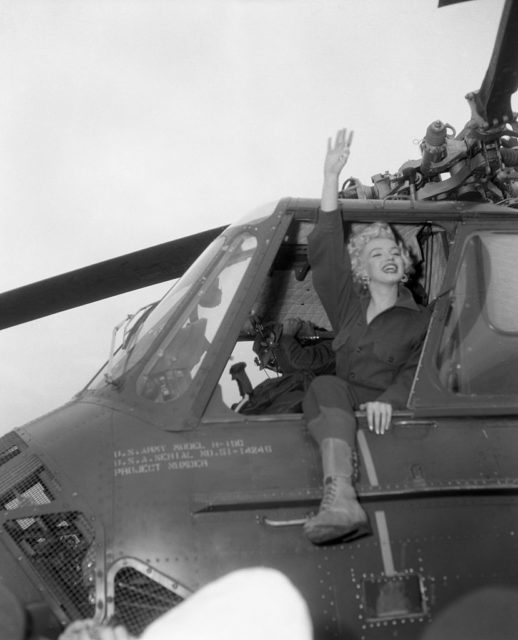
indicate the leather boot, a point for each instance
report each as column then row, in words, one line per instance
column 340, row 515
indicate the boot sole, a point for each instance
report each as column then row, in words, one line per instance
column 324, row 534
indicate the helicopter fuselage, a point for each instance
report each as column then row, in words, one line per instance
column 150, row 484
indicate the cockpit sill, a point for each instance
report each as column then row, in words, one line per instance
column 496, row 410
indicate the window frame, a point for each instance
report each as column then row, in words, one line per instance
column 428, row 395
column 446, row 227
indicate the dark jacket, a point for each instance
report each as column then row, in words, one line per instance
column 378, row 359
column 318, row 358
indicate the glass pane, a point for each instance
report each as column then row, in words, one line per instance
column 478, row 354
column 148, row 325
column 159, row 317
column 502, row 287
column 176, row 362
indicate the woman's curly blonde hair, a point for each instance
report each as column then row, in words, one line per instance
column 361, row 235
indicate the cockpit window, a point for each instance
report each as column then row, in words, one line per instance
column 159, row 317
column 147, row 324
column 179, row 356
column 259, row 377
column 502, row 284
column 478, row 352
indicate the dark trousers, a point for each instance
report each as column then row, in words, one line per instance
column 329, row 407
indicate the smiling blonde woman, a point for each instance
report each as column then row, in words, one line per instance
column 379, row 332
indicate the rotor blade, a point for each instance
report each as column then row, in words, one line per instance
column 501, row 80
column 445, row 3
column 102, row 280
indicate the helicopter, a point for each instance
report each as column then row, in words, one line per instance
column 153, row 481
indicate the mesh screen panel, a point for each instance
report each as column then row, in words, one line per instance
column 283, row 296
column 58, row 547
column 8, row 454
column 139, row 600
column 10, row 446
column 29, row 492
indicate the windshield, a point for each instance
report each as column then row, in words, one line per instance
column 138, row 340
column 176, row 361
column 478, row 353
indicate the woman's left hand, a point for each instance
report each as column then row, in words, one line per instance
column 338, row 152
column 379, row 415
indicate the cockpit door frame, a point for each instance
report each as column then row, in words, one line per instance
column 210, row 372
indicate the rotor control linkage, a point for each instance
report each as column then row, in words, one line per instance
column 433, row 146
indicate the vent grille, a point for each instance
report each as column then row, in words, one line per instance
column 32, row 491
column 59, row 548
column 139, row 600
column 10, row 446
column 9, row 454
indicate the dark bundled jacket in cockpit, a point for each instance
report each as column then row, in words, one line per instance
column 318, row 357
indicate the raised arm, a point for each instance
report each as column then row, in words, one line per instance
column 336, row 159
column 327, row 252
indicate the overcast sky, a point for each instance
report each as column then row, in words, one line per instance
column 126, row 123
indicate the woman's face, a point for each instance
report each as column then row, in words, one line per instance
column 382, row 261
